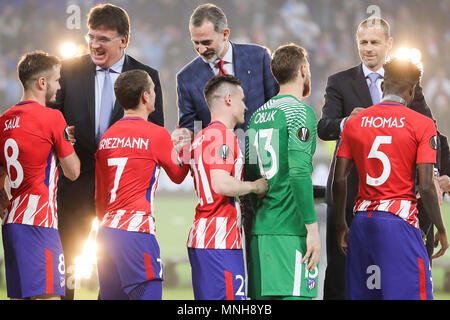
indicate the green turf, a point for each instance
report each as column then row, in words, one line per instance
column 174, row 215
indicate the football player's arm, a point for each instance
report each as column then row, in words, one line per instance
column 4, row 198
column 70, row 166
column 430, row 202
column 339, row 191
column 168, row 158
column 302, row 190
column 225, row 184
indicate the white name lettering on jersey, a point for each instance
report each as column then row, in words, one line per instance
column 134, row 143
column 379, row 122
column 12, row 123
column 265, row 116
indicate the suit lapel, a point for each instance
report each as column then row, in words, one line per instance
column 241, row 68
column 89, row 89
column 361, row 89
column 204, row 74
column 118, row 110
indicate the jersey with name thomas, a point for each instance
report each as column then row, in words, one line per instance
column 386, row 141
column 128, row 163
column 32, row 140
column 217, row 222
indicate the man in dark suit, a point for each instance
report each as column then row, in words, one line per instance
column 217, row 55
column 249, row 63
column 347, row 93
column 87, row 100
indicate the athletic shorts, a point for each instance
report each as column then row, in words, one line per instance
column 275, row 268
column 34, row 261
column 217, row 274
column 386, row 259
column 129, row 265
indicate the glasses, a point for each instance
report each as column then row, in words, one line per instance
column 100, row 39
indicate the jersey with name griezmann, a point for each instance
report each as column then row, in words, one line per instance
column 386, row 141
column 32, row 140
column 128, row 163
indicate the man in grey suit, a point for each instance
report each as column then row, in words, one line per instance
column 347, row 93
column 87, row 101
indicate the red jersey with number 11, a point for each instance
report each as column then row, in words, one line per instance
column 217, row 223
column 386, row 141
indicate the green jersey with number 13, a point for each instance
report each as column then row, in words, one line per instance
column 281, row 141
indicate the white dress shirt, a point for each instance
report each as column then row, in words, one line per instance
column 99, row 80
column 228, row 65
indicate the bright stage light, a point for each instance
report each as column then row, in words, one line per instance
column 84, row 264
column 69, row 49
column 413, row 55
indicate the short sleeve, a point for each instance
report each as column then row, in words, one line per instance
column 57, row 124
column 344, row 145
column 427, row 144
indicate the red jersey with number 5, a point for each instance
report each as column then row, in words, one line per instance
column 217, row 223
column 128, row 161
column 31, row 141
column 386, row 141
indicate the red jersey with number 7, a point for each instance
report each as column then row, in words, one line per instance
column 31, row 141
column 217, row 222
column 129, row 158
column 386, row 141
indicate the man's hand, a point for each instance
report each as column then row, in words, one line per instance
column 355, row 112
column 260, row 187
column 342, row 238
column 181, row 137
column 313, row 247
column 444, row 183
column 440, row 237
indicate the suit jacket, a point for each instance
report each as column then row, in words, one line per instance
column 76, row 100
column 345, row 91
column 252, row 67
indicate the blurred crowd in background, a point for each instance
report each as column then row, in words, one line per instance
column 160, row 38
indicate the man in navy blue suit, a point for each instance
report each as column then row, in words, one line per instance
column 217, row 55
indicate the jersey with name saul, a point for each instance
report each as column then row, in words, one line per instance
column 32, row 140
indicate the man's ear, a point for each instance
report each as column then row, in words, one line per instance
column 145, row 97
column 41, row 83
column 382, row 86
column 228, row 99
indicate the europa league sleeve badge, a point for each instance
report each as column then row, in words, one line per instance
column 303, row 134
column 224, row 151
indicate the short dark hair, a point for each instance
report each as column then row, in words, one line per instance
column 286, row 61
column 130, row 86
column 400, row 74
column 212, row 13
column 110, row 17
column 216, row 82
column 372, row 22
column 35, row 64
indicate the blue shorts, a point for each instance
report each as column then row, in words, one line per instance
column 129, row 265
column 217, row 274
column 386, row 259
column 34, row 261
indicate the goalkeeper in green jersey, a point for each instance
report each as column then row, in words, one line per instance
column 285, row 243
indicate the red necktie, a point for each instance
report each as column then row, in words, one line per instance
column 221, row 69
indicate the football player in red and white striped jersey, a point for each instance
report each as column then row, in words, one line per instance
column 33, row 144
column 129, row 158
column 215, row 240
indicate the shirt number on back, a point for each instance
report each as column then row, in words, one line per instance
column 377, row 154
column 11, row 161
column 267, row 134
column 120, row 163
